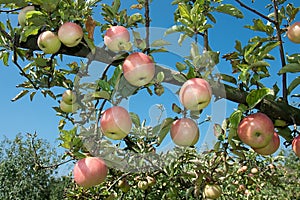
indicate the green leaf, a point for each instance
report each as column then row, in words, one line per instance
column 292, row 68
column 159, row 43
column 183, row 10
column 101, row 95
column 228, row 78
column 294, row 84
column 135, row 119
column 179, row 77
column 230, row 10
column 160, row 77
column 235, row 118
column 260, row 26
column 162, row 129
column 20, row 95
column 255, row 96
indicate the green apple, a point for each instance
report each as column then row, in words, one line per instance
column 69, row 97
column 49, row 42
column 117, row 38
column 90, row 171
column 115, row 123
column 70, row 34
column 184, row 132
column 143, row 185
column 123, row 185
column 68, row 108
column 256, row 130
column 138, row 69
column 22, row 15
column 212, row 191
column 195, row 94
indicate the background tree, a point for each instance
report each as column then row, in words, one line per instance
column 184, row 172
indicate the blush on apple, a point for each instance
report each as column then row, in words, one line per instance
column 195, row 94
column 271, row 148
column 70, row 34
column 116, row 123
column 184, row 132
column 256, row 130
column 90, row 171
column 48, row 42
column 117, row 38
column 138, row 69
column 296, row 145
column 293, row 32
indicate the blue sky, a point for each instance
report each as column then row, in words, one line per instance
column 38, row 116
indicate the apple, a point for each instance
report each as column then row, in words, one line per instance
column 68, row 108
column 271, row 147
column 195, row 94
column 123, row 185
column 296, row 145
column 138, row 69
column 90, row 171
column 293, row 32
column 151, row 181
column 254, row 170
column 242, row 169
column 48, row 42
column 117, row 38
column 69, row 97
column 116, row 123
column 22, row 14
column 184, row 132
column 70, row 34
column 256, row 130
column 212, row 191
column 143, row 185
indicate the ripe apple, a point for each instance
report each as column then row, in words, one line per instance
column 195, row 94
column 254, row 170
column 184, row 132
column 256, row 130
column 70, row 34
column 117, row 38
column 212, row 191
column 68, row 108
column 69, row 97
column 116, row 123
column 271, row 147
column 48, row 42
column 293, row 32
column 22, row 15
column 138, row 69
column 90, row 171
column 296, row 145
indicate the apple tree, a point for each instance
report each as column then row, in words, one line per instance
column 102, row 93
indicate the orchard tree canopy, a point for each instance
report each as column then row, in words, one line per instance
column 55, row 47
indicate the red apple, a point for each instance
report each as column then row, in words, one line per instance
column 256, row 130
column 117, row 38
column 212, row 191
column 293, row 32
column 70, row 34
column 116, row 123
column 271, row 147
column 48, row 42
column 90, row 171
column 296, row 145
column 195, row 94
column 138, row 69
column 22, row 14
column 184, row 132
column 69, row 97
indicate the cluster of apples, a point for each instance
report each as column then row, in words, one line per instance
column 69, row 33
column 68, row 103
column 257, row 131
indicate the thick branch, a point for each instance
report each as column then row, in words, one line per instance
column 274, row 109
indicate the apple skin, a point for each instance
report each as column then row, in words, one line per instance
column 70, row 34
column 116, row 123
column 195, row 94
column 90, row 171
column 48, row 42
column 68, row 108
column 138, row 69
column 143, row 185
column 296, row 145
column 184, row 132
column 69, row 97
column 256, row 130
column 116, row 38
column 293, row 32
column 22, row 15
column 271, row 148
column 212, row 191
